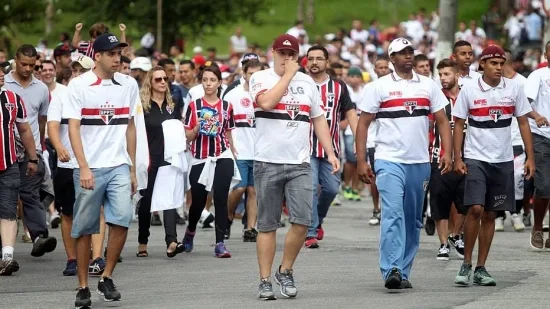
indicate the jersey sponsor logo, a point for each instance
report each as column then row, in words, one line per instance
column 422, row 93
column 495, row 114
column 257, row 86
column 106, row 114
column 506, row 100
column 297, row 90
column 292, row 110
column 410, row 106
column 396, row 93
column 245, row 102
column 480, row 102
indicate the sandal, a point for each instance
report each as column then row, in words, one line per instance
column 142, row 254
column 179, row 249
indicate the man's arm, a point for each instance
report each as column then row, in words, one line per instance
column 268, row 99
column 458, row 137
column 351, row 116
column 76, row 143
column 362, row 134
column 76, row 36
column 526, row 136
column 444, row 128
column 131, row 141
column 42, row 120
column 322, row 132
column 27, row 139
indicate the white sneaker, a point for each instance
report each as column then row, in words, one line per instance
column 55, row 220
column 517, row 223
column 336, row 201
column 499, row 224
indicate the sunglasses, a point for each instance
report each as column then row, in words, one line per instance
column 37, row 67
column 160, row 79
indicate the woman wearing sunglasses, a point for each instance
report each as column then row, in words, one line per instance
column 208, row 125
column 158, row 107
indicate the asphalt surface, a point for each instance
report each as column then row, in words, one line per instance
column 343, row 273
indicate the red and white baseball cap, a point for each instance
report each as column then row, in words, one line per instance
column 491, row 51
column 286, row 41
column 398, row 45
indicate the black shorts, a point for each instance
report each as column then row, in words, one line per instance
column 444, row 191
column 541, row 146
column 370, row 153
column 10, row 181
column 490, row 185
column 63, row 186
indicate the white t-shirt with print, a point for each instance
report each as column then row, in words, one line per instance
column 244, row 133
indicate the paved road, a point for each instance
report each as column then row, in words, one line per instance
column 343, row 272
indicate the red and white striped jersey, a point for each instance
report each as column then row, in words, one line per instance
column 12, row 109
column 489, row 111
column 336, row 102
column 215, row 120
column 86, row 48
column 244, row 134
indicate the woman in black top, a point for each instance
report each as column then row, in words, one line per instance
column 158, row 106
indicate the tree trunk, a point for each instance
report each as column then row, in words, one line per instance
column 50, row 14
column 300, row 11
column 310, row 12
column 447, row 27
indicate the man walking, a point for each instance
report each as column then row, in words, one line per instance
column 287, row 104
column 103, row 138
column 401, row 102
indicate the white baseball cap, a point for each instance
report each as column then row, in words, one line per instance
column 85, row 61
column 141, row 63
column 398, row 45
column 197, row 50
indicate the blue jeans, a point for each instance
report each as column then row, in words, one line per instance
column 402, row 189
column 321, row 172
column 113, row 190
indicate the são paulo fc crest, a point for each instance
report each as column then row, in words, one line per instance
column 330, row 97
column 495, row 114
column 293, row 110
column 10, row 106
column 410, row 106
column 107, row 115
column 251, row 119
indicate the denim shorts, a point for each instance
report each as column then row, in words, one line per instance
column 113, row 190
column 348, row 147
column 10, row 181
column 246, row 169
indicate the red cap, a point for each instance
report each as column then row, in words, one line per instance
column 286, row 41
column 491, row 51
column 304, row 62
column 199, row 60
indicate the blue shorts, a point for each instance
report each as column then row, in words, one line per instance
column 348, row 147
column 113, row 190
column 246, row 169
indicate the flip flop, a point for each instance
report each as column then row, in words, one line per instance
column 142, row 254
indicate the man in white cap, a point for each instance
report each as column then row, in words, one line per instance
column 401, row 102
column 139, row 67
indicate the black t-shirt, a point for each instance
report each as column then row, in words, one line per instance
column 155, row 136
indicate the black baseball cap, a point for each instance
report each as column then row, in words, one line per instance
column 249, row 56
column 107, row 41
column 62, row 49
column 4, row 64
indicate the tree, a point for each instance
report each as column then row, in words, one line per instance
column 17, row 17
column 194, row 18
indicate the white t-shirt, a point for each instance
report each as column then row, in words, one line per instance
column 55, row 113
column 402, row 108
column 244, row 134
column 282, row 134
column 516, row 135
column 239, row 44
column 104, row 108
column 537, row 89
column 355, row 98
column 58, row 87
column 359, row 35
column 489, row 112
column 371, row 135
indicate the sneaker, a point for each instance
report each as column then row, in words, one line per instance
column 250, row 235
column 320, row 233
column 406, row 284
column 155, row 220
column 375, row 219
column 347, row 194
column 459, row 246
column 443, row 253
column 355, row 196
column 285, row 280
column 545, row 223
column 55, row 219
column 43, row 245
column 499, row 224
column 311, row 243
column 96, row 267
column 107, row 289
column 26, row 238
column 547, row 244
column 482, row 277
column 227, row 234
column 221, row 251
column 537, row 240
column 207, row 220
column 188, row 241
column 464, row 274
column 70, row 268
column 393, row 281
column 527, row 219
column 429, row 226
column 265, row 291
column 83, row 299
column 517, row 223
column 336, row 201
column 8, row 267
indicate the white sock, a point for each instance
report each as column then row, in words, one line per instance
column 7, row 253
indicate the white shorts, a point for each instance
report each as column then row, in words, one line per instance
column 519, row 175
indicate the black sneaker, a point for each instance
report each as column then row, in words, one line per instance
column 43, row 245
column 443, row 253
column 155, row 220
column 107, row 289
column 250, row 235
column 83, row 299
column 459, row 246
column 406, row 284
column 8, row 267
column 228, row 232
column 429, row 226
column 393, row 281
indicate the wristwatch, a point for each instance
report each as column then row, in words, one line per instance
column 33, row 161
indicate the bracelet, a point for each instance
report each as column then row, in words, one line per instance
column 33, row 161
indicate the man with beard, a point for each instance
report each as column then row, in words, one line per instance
column 446, row 190
column 336, row 103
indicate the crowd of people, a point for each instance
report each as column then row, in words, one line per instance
column 97, row 134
